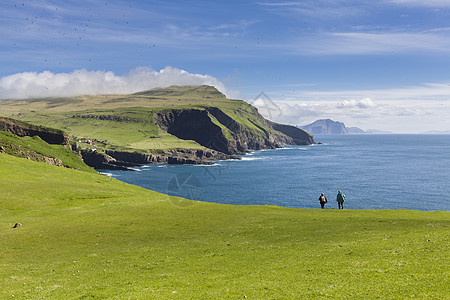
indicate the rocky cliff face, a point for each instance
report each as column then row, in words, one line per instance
column 194, row 124
column 199, row 125
column 50, row 135
column 243, row 139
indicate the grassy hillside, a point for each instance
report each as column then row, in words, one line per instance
column 126, row 121
column 36, row 149
column 85, row 235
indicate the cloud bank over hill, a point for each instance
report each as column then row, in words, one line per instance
column 85, row 82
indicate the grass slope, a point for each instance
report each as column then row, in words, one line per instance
column 85, row 235
column 36, row 149
column 138, row 132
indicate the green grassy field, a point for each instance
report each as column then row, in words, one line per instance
column 140, row 132
column 86, row 236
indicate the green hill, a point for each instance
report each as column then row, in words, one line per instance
column 85, row 235
column 158, row 121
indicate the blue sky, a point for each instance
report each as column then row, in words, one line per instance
column 373, row 64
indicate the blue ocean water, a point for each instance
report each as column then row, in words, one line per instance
column 373, row 171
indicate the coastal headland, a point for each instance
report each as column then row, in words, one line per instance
column 178, row 125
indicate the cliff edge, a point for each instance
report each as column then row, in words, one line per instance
column 49, row 135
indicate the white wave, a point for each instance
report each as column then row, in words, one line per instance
column 286, row 148
column 208, row 165
column 253, row 158
column 109, row 174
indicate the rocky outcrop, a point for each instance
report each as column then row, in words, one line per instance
column 49, row 135
column 100, row 160
column 123, row 160
column 182, row 156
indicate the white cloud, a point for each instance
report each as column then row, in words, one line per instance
column 348, row 37
column 316, row 9
column 350, row 43
column 363, row 104
column 423, row 93
column 426, row 3
column 83, row 82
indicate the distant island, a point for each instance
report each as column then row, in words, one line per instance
column 328, row 126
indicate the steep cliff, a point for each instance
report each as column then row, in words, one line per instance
column 193, row 124
column 212, row 128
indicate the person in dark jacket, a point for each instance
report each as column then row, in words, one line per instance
column 322, row 200
column 340, row 198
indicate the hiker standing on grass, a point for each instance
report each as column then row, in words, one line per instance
column 322, row 200
column 340, row 198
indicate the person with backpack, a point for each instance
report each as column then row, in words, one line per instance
column 322, row 200
column 340, row 198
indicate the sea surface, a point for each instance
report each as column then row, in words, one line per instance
column 373, row 171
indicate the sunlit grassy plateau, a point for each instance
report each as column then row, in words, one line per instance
column 85, row 235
